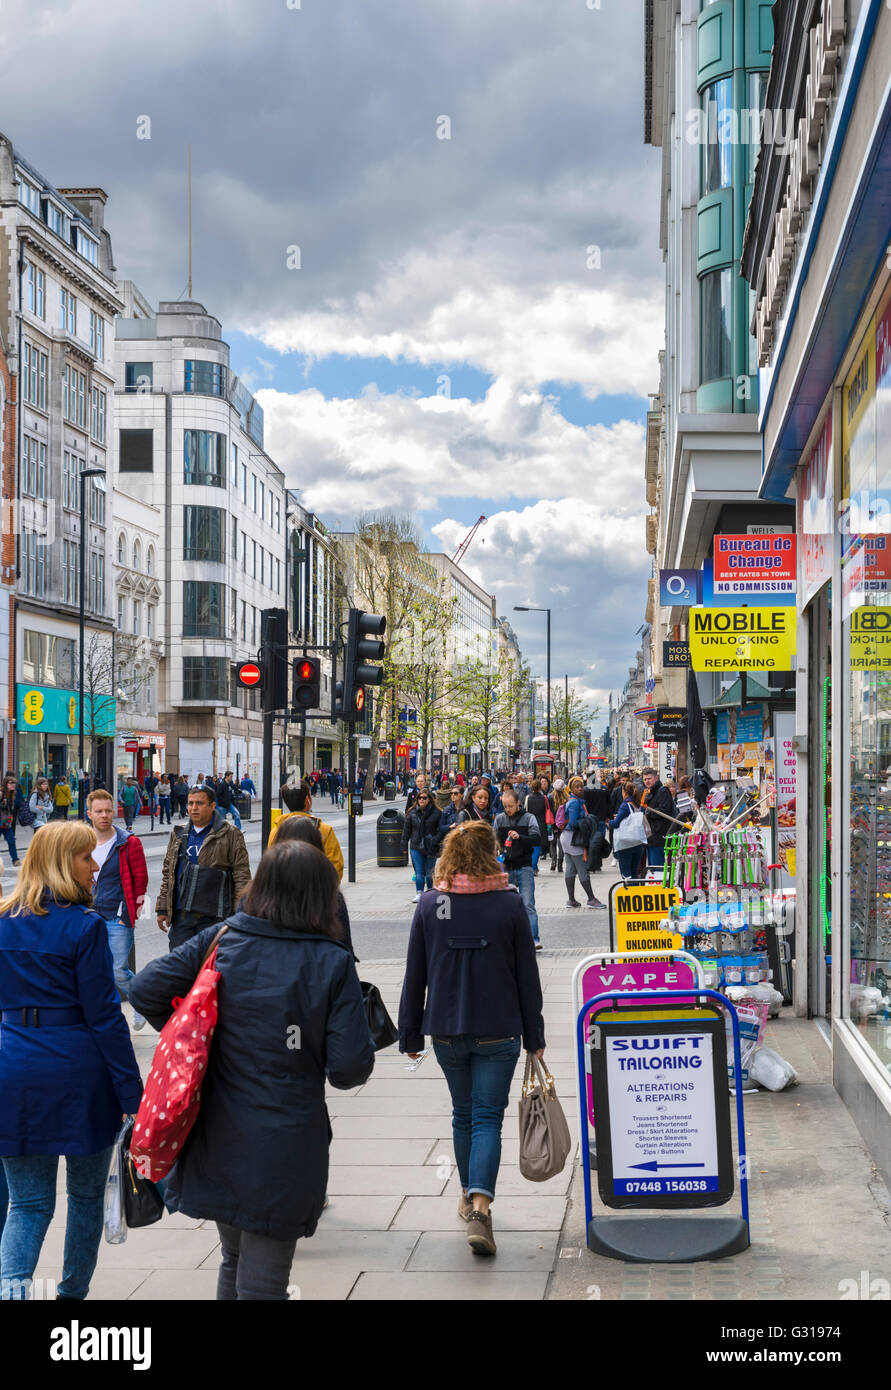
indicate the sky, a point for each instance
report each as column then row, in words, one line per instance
column 430, row 231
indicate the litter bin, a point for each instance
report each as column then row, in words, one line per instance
column 245, row 806
column 390, row 854
column 389, row 791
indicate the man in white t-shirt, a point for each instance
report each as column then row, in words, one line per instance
column 118, row 886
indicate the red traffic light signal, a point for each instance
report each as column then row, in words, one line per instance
column 307, row 683
column 359, row 699
column 249, row 674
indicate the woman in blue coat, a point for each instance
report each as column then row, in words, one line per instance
column 291, row 1013
column 68, row 1074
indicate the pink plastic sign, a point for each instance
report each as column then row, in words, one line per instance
column 630, row 975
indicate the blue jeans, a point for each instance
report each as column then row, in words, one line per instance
column 9, row 837
column 234, row 813
column 423, row 866
column 536, row 855
column 32, row 1201
column 479, row 1072
column 164, row 809
column 525, row 881
column 120, row 939
column 656, row 857
column 627, row 860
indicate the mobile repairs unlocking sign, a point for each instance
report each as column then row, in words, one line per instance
column 660, row 1092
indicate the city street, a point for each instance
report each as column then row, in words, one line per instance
column 390, row 1230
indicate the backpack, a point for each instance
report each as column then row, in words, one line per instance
column 560, row 817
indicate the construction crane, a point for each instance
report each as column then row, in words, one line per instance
column 463, row 547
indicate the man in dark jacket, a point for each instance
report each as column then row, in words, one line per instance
column 206, row 870
column 656, row 798
column 517, row 834
column 226, row 799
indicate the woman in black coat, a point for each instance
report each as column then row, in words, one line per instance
column 421, row 834
column 537, row 806
column 291, row 1013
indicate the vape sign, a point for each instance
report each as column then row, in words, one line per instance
column 755, row 565
column 679, row 588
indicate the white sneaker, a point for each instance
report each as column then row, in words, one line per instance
column 416, row 898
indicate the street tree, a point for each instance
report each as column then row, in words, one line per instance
column 570, row 716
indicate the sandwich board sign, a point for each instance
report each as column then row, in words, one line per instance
column 663, row 1111
column 636, row 910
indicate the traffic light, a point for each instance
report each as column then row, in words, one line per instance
column 307, row 683
column 274, row 658
column 362, row 647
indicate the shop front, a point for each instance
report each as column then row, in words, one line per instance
column 48, row 734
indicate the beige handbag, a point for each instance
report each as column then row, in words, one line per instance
column 545, row 1142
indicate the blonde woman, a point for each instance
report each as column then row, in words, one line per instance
column 68, row 1074
column 471, row 982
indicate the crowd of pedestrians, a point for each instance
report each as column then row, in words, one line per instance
column 256, row 1161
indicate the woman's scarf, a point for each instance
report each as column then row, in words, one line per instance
column 463, row 883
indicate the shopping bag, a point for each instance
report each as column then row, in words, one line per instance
column 631, row 833
column 545, row 1141
column 143, row 1203
column 172, row 1096
column 113, row 1215
column 380, row 1025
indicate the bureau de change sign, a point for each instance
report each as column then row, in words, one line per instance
column 663, row 1111
column 756, row 565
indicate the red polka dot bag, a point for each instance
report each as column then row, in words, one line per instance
column 172, row 1096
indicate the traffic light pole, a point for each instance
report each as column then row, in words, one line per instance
column 351, row 821
column 266, row 789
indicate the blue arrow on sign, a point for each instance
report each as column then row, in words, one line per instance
column 654, row 1166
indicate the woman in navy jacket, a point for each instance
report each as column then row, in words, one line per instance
column 471, row 982
column 68, row 1074
column 291, row 1013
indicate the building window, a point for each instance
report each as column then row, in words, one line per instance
column 138, row 376
column 202, row 609
column 122, row 549
column 29, row 196
column 206, row 678
column 70, row 572
column 70, row 480
column 720, row 122
column 35, row 290
column 715, row 295
column 97, row 414
column 137, row 616
column 33, row 467
column 67, row 312
column 135, row 451
column 278, row 576
column 203, row 534
column 122, row 610
column 34, row 371
column 278, row 515
column 255, row 560
column 97, row 582
column 205, row 378
column 150, row 619
column 244, row 483
column 86, row 246
column 97, row 501
column 58, row 221
column 97, row 335
column 149, row 692
column 74, row 395
column 150, row 561
column 234, row 540
column 33, row 564
column 243, row 620
column 261, row 510
column 137, row 557
column 205, row 457
column 254, row 491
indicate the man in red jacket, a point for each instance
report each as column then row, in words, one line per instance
column 118, row 888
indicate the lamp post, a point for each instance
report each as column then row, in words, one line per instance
column 521, row 609
column 84, row 474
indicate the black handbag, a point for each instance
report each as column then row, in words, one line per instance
column 143, row 1203
column 380, row 1024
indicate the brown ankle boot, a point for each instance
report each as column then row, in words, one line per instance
column 479, row 1233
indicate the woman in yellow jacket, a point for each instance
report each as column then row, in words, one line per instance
column 299, row 803
column 62, row 799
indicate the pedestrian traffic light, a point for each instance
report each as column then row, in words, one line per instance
column 274, row 658
column 361, row 648
column 307, row 683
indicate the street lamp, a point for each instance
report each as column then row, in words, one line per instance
column 84, row 474
column 518, row 608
